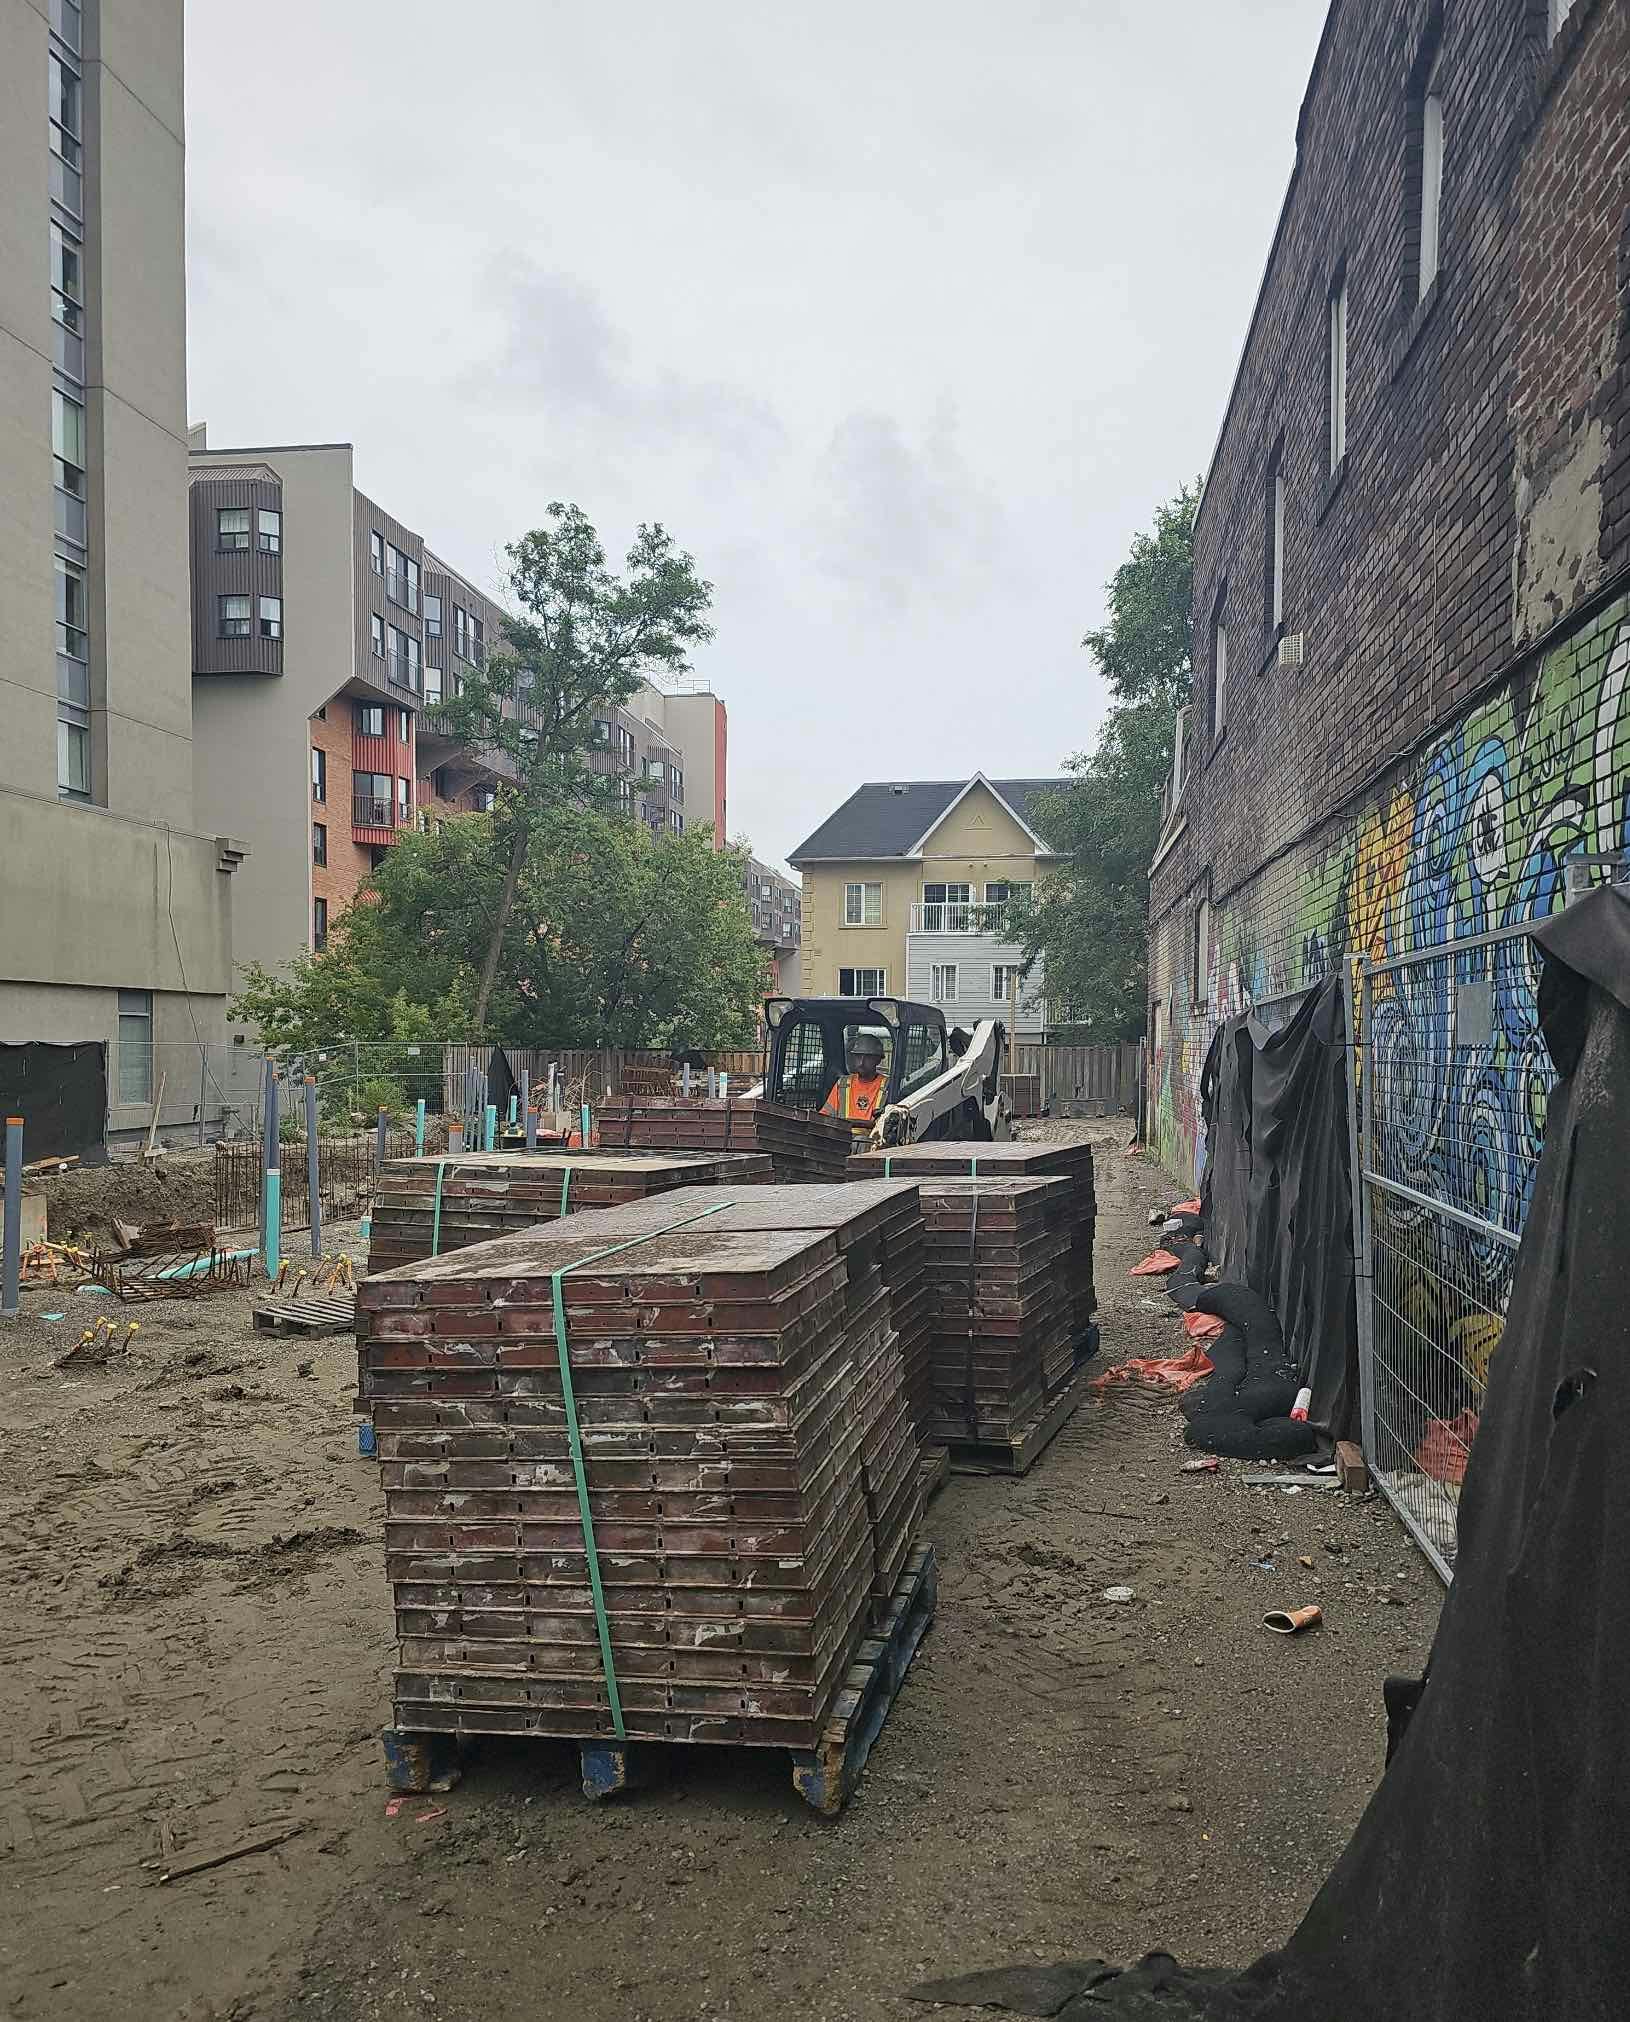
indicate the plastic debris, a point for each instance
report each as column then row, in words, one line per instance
column 1119, row 1594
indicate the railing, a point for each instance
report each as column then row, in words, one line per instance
column 402, row 590
column 371, row 811
column 999, row 922
column 401, row 672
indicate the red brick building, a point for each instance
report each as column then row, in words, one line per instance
column 1412, row 557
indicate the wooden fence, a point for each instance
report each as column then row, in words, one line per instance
column 1074, row 1080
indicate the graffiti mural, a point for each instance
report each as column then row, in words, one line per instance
column 1475, row 835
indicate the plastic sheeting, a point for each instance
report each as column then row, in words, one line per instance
column 1278, row 1188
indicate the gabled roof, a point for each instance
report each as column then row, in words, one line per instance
column 894, row 818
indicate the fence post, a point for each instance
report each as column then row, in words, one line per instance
column 418, row 1127
column 490, row 1142
column 381, row 1127
column 526, row 1095
column 1359, row 1007
column 203, row 1092
column 11, row 1268
column 531, row 1128
column 313, row 1169
column 586, row 1122
column 271, row 1192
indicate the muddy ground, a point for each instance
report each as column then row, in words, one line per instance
column 197, row 1654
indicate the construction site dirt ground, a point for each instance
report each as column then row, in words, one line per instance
column 197, row 1654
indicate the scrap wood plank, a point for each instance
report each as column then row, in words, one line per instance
column 326, row 1315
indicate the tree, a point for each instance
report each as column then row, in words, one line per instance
column 1089, row 922
column 578, row 642
column 614, row 938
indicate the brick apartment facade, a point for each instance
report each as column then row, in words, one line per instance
column 1412, row 632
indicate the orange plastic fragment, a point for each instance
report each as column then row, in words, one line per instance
column 1153, row 1264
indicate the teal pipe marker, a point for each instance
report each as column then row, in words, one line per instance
column 512, row 1102
column 587, row 1123
column 490, row 1132
column 274, row 1221
column 418, row 1128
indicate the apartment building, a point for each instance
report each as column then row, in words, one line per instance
column 324, row 632
column 669, row 752
column 776, row 906
column 116, row 956
column 912, row 887
column 1411, row 705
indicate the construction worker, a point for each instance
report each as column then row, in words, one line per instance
column 858, row 1095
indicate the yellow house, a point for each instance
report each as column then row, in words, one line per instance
column 910, row 890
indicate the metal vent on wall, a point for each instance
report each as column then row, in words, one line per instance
column 1291, row 649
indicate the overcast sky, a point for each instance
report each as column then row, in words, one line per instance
column 901, row 315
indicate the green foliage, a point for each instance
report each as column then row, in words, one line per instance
column 1146, row 651
column 1089, row 922
column 378, row 1093
column 617, row 938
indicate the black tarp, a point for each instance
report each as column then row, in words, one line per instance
column 1489, row 1877
column 1277, row 1190
column 61, row 1093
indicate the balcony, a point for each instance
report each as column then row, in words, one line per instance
column 372, row 811
column 965, row 958
column 999, row 922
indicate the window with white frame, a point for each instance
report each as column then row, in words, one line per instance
column 271, row 617
column 942, row 983
column 862, row 907
column 235, row 620
column 1004, row 981
column 863, row 982
column 269, row 526
column 1431, row 191
column 231, row 529
column 1180, row 741
column 1338, row 371
column 135, row 1046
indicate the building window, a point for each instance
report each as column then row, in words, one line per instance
column 483, row 799
column 404, row 725
column 67, row 302
column 404, row 802
column 1219, row 668
column 1431, row 192
column 271, row 617
column 236, row 619
column 862, row 907
column 1338, row 372
column 432, row 616
column 371, row 799
column 942, row 981
column 66, row 134
column 438, row 782
column 379, row 636
column 68, row 447
column 65, row 22
column 1004, row 978
column 371, row 719
column 270, row 526
column 1274, row 534
column 73, row 755
column 461, row 633
column 1202, row 952
column 376, row 554
column 135, row 1046
column 231, row 529
column 863, row 982
column 478, row 640
column 319, row 774
column 319, row 842
column 1005, row 893
column 401, row 578
column 319, row 925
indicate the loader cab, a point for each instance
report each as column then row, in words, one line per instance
column 810, row 1040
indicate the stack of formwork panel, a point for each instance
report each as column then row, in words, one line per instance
column 726, row 1385
column 803, row 1145
column 424, row 1207
column 1017, row 1159
column 996, row 1256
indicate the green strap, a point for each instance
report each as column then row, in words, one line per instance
column 574, row 1439
column 435, row 1221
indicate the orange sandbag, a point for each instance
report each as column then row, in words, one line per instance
column 1178, row 1373
column 1186, row 1208
column 1153, row 1264
column 1203, row 1326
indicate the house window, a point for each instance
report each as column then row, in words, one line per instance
column 862, row 907
column 602, row 732
column 270, row 531
column 319, row 925
column 235, row 618
column 376, row 554
column 319, row 842
column 1180, row 737
column 370, row 719
column 231, row 529
column 1004, row 978
column 1431, row 192
column 1202, row 951
column 942, row 982
column 1005, row 893
column 319, row 774
column 379, row 636
column 135, row 1046
column 404, row 802
column 432, row 616
column 461, row 632
column 271, row 617
column 1275, row 541
column 1338, row 373
column 1219, row 669
column 404, row 725
column 863, row 982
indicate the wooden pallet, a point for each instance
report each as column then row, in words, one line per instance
column 934, row 1471
column 1020, row 1453
column 323, row 1315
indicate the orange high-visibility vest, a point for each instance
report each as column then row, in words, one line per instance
column 855, row 1100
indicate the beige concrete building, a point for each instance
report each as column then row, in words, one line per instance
column 117, row 912
column 910, row 890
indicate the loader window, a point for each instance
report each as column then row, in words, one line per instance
column 923, row 1057
column 806, row 1075
column 881, row 1033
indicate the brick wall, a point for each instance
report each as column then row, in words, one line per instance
column 1461, row 718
